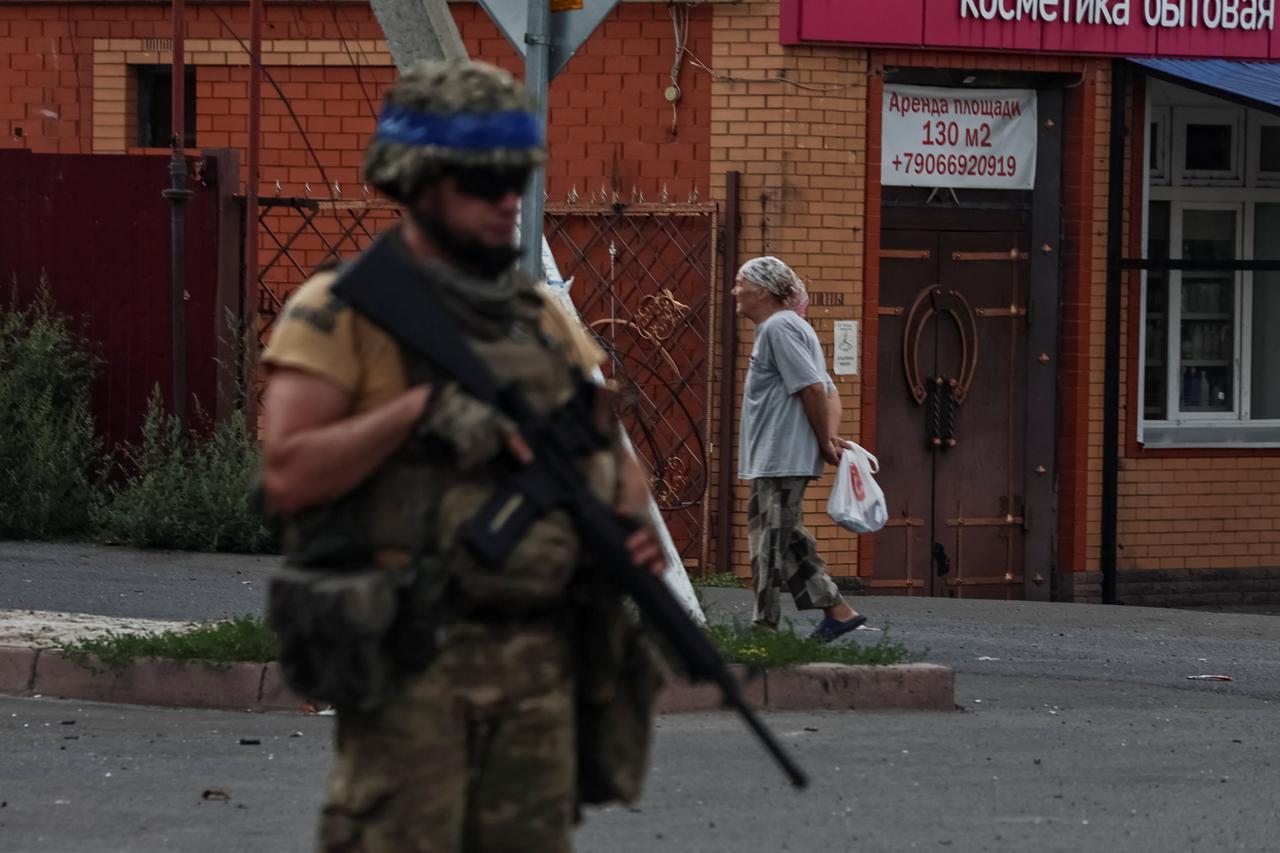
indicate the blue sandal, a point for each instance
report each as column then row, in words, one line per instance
column 832, row 629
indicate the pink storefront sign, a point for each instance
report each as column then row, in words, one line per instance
column 1227, row 29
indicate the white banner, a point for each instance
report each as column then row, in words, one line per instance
column 976, row 138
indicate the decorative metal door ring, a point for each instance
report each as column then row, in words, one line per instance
column 941, row 301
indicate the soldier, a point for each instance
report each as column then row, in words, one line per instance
column 374, row 458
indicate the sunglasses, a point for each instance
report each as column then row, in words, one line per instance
column 491, row 185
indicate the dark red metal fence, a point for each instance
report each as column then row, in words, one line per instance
column 97, row 229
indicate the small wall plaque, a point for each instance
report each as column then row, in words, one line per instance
column 845, row 354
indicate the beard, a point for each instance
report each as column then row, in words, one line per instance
column 466, row 251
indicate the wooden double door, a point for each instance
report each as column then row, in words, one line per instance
column 952, row 406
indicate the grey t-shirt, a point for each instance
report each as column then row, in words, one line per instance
column 777, row 440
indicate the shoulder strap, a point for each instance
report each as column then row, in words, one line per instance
column 382, row 287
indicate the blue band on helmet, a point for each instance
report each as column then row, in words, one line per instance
column 464, row 131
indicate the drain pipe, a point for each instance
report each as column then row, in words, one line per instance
column 728, row 354
column 1111, row 363
column 249, row 299
column 177, row 194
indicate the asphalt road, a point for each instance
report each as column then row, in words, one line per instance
column 1125, row 645
column 1079, row 731
column 125, row 582
column 1037, row 765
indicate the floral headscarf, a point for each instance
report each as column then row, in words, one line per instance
column 779, row 279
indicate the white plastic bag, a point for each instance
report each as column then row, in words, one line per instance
column 857, row 502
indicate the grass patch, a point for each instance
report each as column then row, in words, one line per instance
column 249, row 638
column 719, row 580
column 245, row 638
column 750, row 645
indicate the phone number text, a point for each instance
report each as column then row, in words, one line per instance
column 956, row 165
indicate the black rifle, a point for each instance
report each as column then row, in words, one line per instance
column 382, row 286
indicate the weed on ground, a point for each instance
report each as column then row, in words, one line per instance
column 245, row 638
column 748, row 644
column 249, row 638
column 48, row 453
column 187, row 491
column 719, row 580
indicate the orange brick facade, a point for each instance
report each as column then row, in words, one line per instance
column 793, row 123
column 801, row 125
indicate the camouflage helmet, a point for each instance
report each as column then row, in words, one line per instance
column 444, row 114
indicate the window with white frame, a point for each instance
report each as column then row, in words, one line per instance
column 1207, row 146
column 1210, row 338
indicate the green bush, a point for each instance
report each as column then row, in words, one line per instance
column 49, row 457
column 191, row 492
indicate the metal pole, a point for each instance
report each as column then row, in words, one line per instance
column 728, row 355
column 178, row 195
column 1111, row 364
column 538, row 78
column 250, row 297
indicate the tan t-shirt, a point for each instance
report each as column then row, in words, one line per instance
column 320, row 335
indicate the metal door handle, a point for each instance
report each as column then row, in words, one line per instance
column 941, row 562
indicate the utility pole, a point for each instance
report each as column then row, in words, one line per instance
column 537, row 64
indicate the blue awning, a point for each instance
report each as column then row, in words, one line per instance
column 1254, row 84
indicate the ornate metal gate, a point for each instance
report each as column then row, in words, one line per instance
column 643, row 278
column 642, row 281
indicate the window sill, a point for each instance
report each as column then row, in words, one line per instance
column 1234, row 436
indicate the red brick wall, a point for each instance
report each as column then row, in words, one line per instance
column 604, row 121
column 45, row 84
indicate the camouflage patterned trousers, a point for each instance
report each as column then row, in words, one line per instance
column 783, row 551
column 476, row 755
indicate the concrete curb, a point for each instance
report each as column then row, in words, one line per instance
column 25, row 671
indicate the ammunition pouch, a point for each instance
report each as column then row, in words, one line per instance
column 349, row 636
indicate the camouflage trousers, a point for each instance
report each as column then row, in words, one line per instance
column 783, row 551
column 476, row 755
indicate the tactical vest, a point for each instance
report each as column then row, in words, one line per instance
column 419, row 500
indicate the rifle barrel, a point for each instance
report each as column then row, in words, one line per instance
column 733, row 699
column 701, row 660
